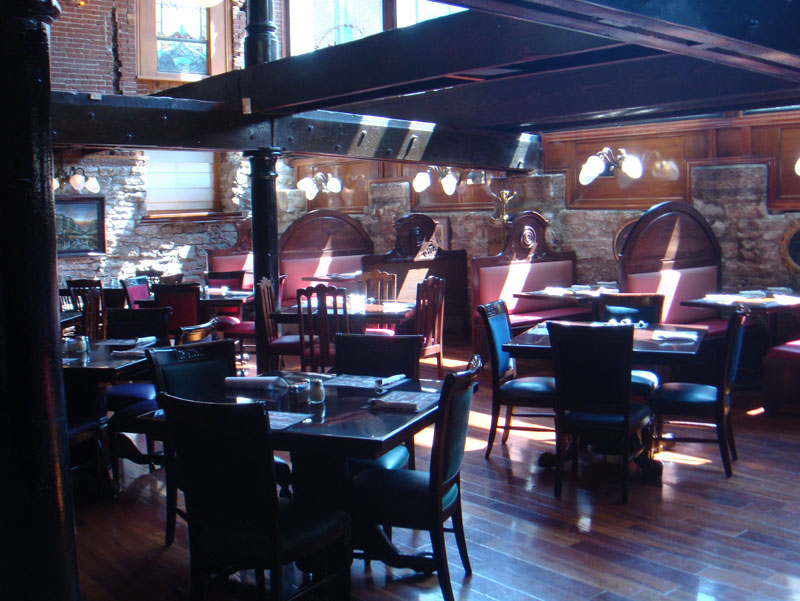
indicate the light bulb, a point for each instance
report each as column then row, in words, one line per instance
column 631, row 165
column 449, row 183
column 311, row 193
column 797, row 167
column 422, row 181
column 334, row 185
column 306, row 184
column 594, row 166
column 92, row 185
column 55, row 184
column 77, row 181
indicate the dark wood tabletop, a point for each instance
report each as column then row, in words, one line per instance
column 101, row 363
column 663, row 343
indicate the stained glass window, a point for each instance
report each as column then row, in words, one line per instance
column 181, row 37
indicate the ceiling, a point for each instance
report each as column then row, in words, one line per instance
column 465, row 87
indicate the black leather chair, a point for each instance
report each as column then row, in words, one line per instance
column 236, row 520
column 703, row 403
column 531, row 392
column 191, row 371
column 426, row 500
column 592, row 365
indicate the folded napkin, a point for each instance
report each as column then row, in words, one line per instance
column 786, row 299
column 753, row 293
column 131, row 352
column 258, row 382
column 404, row 406
column 381, row 382
column 556, row 291
column 667, row 335
column 409, row 402
column 146, row 340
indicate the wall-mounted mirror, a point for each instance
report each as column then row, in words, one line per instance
column 790, row 247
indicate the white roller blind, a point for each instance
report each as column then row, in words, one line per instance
column 180, row 180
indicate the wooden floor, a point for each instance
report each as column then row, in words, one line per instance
column 698, row 536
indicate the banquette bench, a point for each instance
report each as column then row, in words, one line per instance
column 238, row 257
column 526, row 263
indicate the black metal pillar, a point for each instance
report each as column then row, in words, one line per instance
column 264, row 199
column 261, row 46
column 37, row 510
column 261, row 39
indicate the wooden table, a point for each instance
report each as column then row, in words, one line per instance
column 389, row 312
column 650, row 345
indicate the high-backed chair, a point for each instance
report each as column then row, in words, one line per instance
column 93, row 317
column 429, row 319
column 592, row 366
column 138, row 323
column 378, row 286
column 426, row 500
column 636, row 307
column 277, row 345
column 322, row 313
column 230, row 318
column 380, row 356
column 184, row 300
column 235, row 518
column 192, row 371
column 531, row 392
column 136, row 289
column 703, row 403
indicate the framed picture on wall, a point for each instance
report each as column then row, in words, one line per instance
column 80, row 225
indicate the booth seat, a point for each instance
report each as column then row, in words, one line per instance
column 782, row 376
column 235, row 261
column 296, row 269
column 679, row 285
column 501, row 282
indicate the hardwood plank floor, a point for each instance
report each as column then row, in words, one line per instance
column 698, row 536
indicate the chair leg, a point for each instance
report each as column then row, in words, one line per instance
column 559, row 463
column 507, row 426
column 172, row 510
column 492, row 428
column 275, row 583
column 197, row 576
column 722, row 439
column 626, row 453
column 440, row 364
column 440, row 559
column 731, row 443
column 461, row 540
column 261, row 582
column 412, row 460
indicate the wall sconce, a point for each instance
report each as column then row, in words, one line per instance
column 449, row 178
column 606, row 161
column 319, row 182
column 77, row 179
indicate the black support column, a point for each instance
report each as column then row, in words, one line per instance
column 37, row 513
column 261, row 46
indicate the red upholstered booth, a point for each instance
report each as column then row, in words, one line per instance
column 525, row 264
column 782, row 376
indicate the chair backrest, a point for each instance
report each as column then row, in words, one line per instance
column 378, row 285
column 136, row 289
column 136, row 323
column 734, row 337
column 92, row 324
column 234, row 280
column 430, row 310
column 497, row 326
column 192, row 370
column 366, row 355
column 153, row 275
column 202, row 332
column 78, row 289
column 631, row 305
column 450, row 430
column 227, row 468
column 265, row 296
column 175, row 278
column 184, row 300
column 317, row 334
column 592, row 365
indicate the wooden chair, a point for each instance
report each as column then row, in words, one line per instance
column 184, row 299
column 192, row 371
column 426, row 500
column 532, row 392
column 700, row 404
column 93, row 319
column 321, row 313
column 232, row 279
column 592, row 366
column 136, row 289
column 277, row 346
column 153, row 275
column 235, row 518
column 378, row 287
column 429, row 319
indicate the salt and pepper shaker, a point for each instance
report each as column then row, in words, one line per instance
column 316, row 400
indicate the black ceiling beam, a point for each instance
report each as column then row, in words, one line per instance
column 643, row 88
column 356, row 136
column 108, row 121
column 758, row 36
column 396, row 61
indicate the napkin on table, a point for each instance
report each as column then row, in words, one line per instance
column 258, row 382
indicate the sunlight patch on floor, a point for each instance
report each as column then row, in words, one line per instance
column 425, row 439
column 671, row 457
column 447, row 363
column 484, row 421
